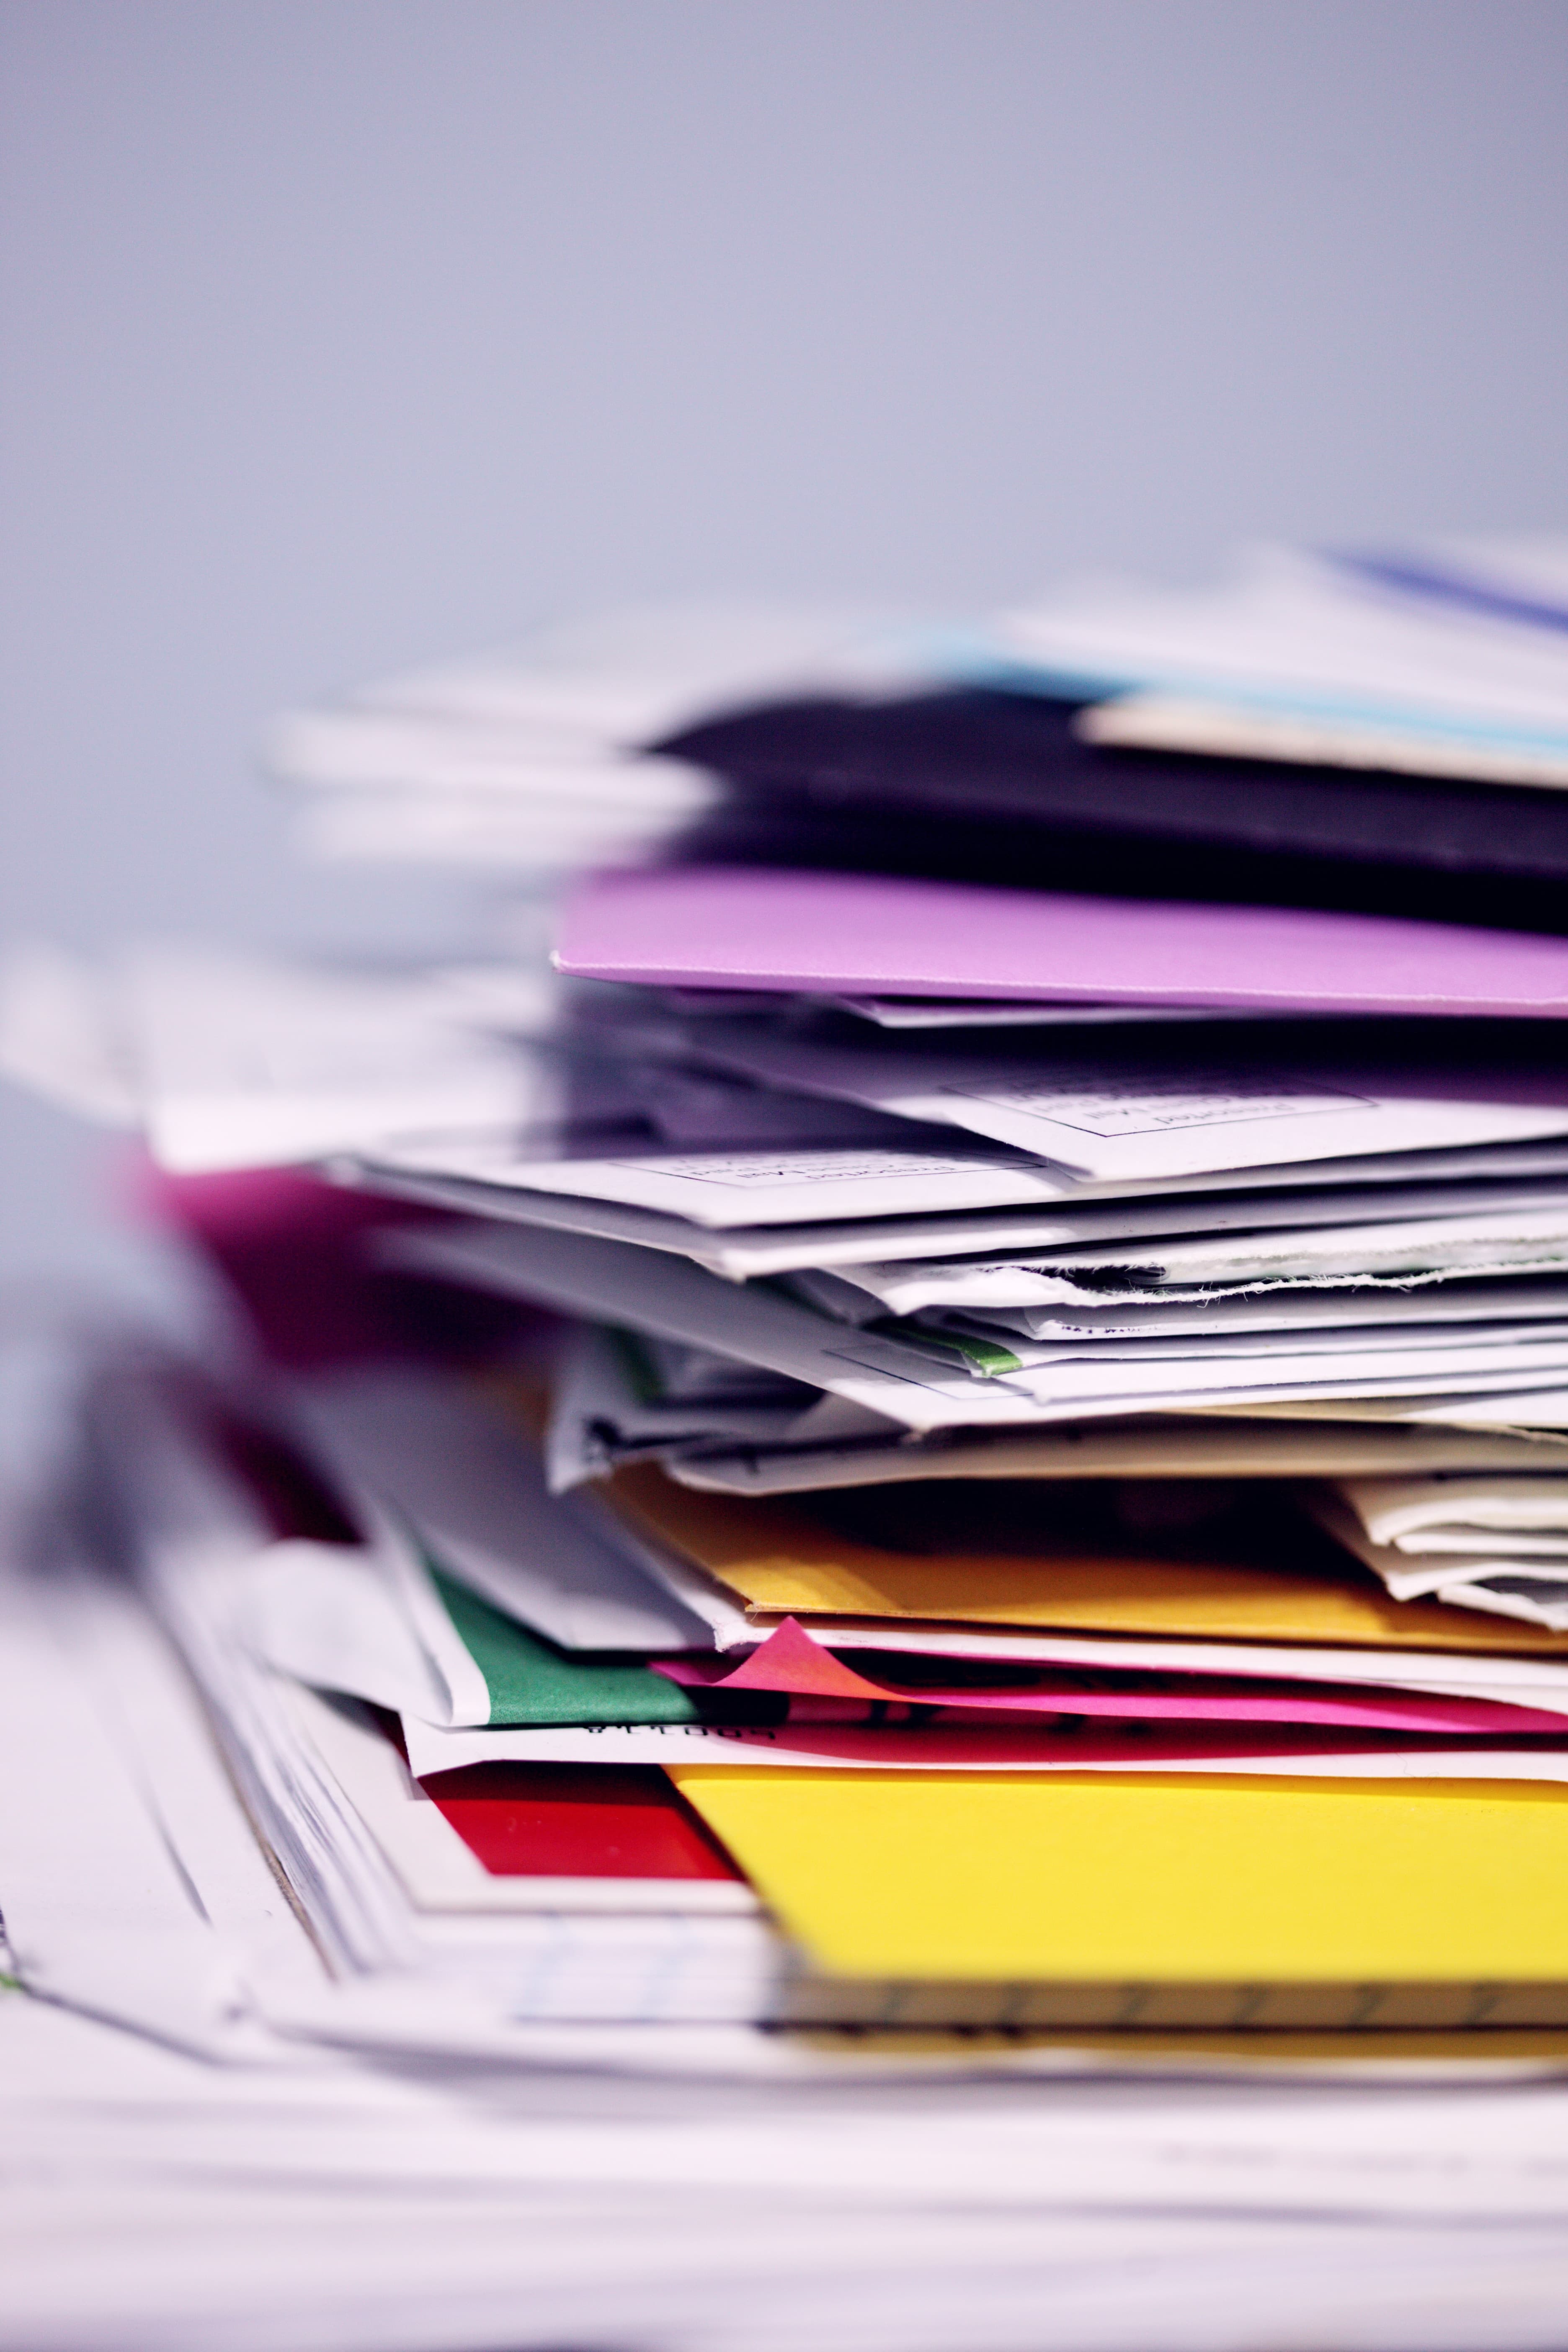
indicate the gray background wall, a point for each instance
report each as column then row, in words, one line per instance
column 341, row 334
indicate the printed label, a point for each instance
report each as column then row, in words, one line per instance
column 743, row 1168
column 1154, row 1109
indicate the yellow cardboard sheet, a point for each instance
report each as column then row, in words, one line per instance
column 929, row 1875
column 780, row 1560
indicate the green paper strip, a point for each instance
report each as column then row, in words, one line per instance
column 531, row 1682
column 986, row 1357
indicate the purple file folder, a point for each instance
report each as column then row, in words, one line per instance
column 848, row 934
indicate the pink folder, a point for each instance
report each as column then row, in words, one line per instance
column 790, row 1662
column 852, row 934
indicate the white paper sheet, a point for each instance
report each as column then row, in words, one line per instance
column 1105, row 1121
column 744, row 1185
column 1000, row 1012
column 1487, row 1345
column 1512, row 1543
column 599, row 1415
column 613, row 1282
column 62, row 1034
column 451, row 1465
column 659, row 2184
column 534, row 760
column 1534, row 1591
column 570, row 816
column 331, row 1615
column 587, row 690
column 246, row 1063
column 1180, row 1445
column 709, row 1212
column 81, row 1855
column 196, row 1535
column 110, row 1798
column 609, row 1281
column 1403, row 1359
column 1408, row 1512
column 1402, row 1261
column 1304, row 633
column 702, row 1596
column 1167, row 1383
column 1434, row 1310
column 697, row 1111
column 1242, row 730
column 1525, row 1408
column 916, row 1244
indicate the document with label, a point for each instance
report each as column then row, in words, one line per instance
column 1114, row 1119
column 742, row 1186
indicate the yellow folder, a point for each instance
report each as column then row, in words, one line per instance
column 779, row 1559
column 1092, row 1879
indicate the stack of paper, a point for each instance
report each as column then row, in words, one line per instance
column 892, row 1448
column 1352, row 1207
column 458, row 1712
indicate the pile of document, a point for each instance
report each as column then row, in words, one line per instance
column 874, row 1524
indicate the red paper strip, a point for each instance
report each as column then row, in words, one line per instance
column 565, row 1821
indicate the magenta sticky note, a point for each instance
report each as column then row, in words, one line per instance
column 853, row 934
